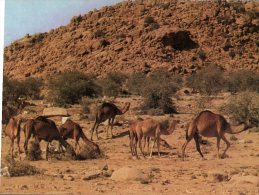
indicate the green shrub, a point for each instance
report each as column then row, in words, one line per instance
column 136, row 82
column 243, row 107
column 69, row 87
column 112, row 84
column 209, row 80
column 13, row 89
column 242, row 80
column 158, row 90
column 149, row 20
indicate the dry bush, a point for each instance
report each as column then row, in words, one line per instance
column 34, row 151
column 87, row 153
column 209, row 80
column 18, row 168
column 243, row 107
column 202, row 103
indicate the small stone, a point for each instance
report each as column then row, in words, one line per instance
column 92, row 175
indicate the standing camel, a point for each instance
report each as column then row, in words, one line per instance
column 13, row 130
column 133, row 136
column 43, row 128
column 73, row 130
column 107, row 111
column 9, row 112
column 152, row 128
column 209, row 124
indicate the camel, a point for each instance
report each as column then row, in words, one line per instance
column 107, row 111
column 152, row 128
column 9, row 112
column 43, row 128
column 13, row 130
column 133, row 136
column 73, row 130
column 209, row 124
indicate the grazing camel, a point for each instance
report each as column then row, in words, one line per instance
column 43, row 128
column 107, row 111
column 13, row 130
column 73, row 130
column 152, row 128
column 209, row 124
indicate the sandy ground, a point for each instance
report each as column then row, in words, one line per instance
column 170, row 175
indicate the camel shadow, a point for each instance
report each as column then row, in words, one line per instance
column 161, row 154
column 122, row 134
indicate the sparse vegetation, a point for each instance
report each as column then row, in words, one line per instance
column 14, row 89
column 243, row 107
column 69, row 87
column 34, row 151
column 112, row 84
column 18, row 168
column 209, row 80
column 242, row 80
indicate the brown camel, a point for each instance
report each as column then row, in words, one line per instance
column 13, row 130
column 43, row 128
column 152, row 128
column 209, row 124
column 107, row 111
column 73, row 130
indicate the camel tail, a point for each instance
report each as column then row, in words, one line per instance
column 235, row 132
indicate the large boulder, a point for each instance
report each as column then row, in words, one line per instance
column 55, row 111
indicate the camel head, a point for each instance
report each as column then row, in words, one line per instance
column 170, row 128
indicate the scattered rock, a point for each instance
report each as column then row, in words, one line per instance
column 92, row 175
column 5, row 172
column 217, row 176
column 68, row 177
column 237, row 179
column 127, row 173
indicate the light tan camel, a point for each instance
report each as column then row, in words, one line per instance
column 209, row 124
column 133, row 136
column 10, row 111
column 13, row 130
column 72, row 130
column 43, row 128
column 107, row 111
column 154, row 129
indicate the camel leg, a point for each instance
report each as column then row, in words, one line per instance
column 112, row 122
column 140, row 146
column 228, row 145
column 151, row 152
column 148, row 148
column 196, row 138
column 135, row 141
column 158, row 146
column 12, row 147
column 144, row 144
column 107, row 129
column 131, row 143
column 47, row 151
column 18, row 144
column 185, row 145
column 92, row 131
column 218, row 145
column 96, row 131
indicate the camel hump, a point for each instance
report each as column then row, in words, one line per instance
column 107, row 104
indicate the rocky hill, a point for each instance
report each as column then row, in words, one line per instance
column 181, row 36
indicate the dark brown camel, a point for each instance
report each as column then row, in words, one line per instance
column 13, row 130
column 43, row 128
column 209, row 124
column 73, row 130
column 107, row 111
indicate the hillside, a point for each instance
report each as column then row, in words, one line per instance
column 142, row 36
